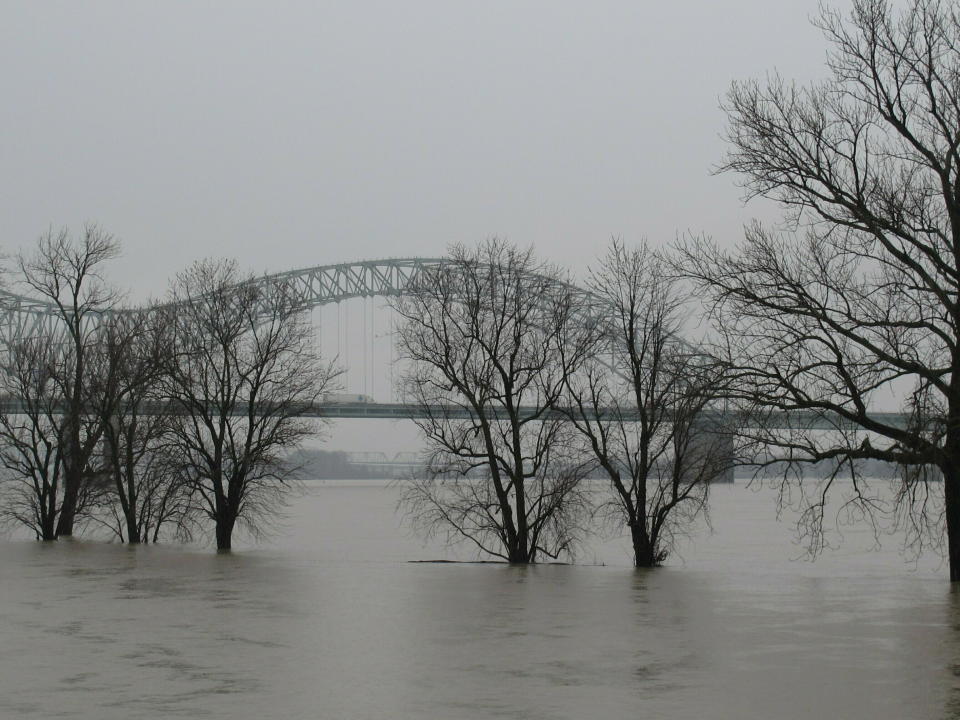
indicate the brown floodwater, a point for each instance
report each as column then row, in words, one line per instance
column 327, row 618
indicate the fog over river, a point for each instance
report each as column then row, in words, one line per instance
column 328, row 619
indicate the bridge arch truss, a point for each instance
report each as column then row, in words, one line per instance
column 22, row 317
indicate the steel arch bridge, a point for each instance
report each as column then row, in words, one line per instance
column 22, row 317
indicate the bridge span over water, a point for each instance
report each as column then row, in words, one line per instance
column 22, row 317
column 410, row 411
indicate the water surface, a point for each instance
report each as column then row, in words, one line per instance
column 329, row 619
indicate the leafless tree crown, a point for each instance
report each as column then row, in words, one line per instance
column 639, row 404
column 67, row 272
column 480, row 334
column 242, row 370
column 856, row 297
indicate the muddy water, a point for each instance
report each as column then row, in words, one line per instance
column 328, row 619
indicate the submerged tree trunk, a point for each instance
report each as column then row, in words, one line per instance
column 71, row 489
column 73, row 473
column 48, row 529
column 131, row 502
column 951, row 493
column 226, row 519
column 68, row 508
column 643, row 551
column 520, row 554
column 951, row 474
column 133, row 530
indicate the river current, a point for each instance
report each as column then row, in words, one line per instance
column 329, row 618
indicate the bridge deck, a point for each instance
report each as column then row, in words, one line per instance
column 794, row 419
column 408, row 411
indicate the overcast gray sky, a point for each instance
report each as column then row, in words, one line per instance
column 296, row 134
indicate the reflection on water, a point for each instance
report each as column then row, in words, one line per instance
column 328, row 620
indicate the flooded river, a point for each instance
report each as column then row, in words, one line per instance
column 327, row 618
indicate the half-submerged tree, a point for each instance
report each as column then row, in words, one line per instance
column 32, row 486
column 642, row 404
column 858, row 296
column 66, row 272
column 479, row 335
column 143, row 492
column 51, row 434
column 241, row 371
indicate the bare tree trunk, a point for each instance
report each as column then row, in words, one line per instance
column 225, row 520
column 74, row 461
column 951, row 484
column 132, row 500
column 643, row 549
column 71, row 478
column 951, row 475
column 133, row 534
column 48, row 529
column 68, row 509
column 520, row 552
column 133, row 528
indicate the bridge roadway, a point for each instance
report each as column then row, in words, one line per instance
column 409, row 411
column 406, row 411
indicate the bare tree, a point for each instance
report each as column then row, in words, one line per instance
column 66, row 272
column 145, row 490
column 479, row 334
column 856, row 296
column 32, row 491
column 242, row 370
column 642, row 402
